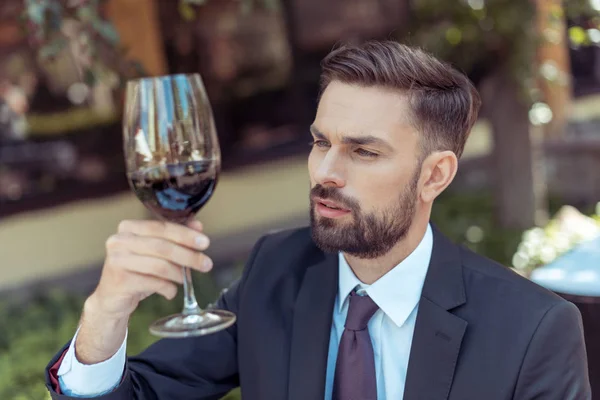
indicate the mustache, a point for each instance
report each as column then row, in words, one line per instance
column 333, row 194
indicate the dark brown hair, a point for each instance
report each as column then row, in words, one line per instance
column 443, row 101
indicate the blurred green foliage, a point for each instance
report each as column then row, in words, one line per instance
column 70, row 121
column 31, row 333
column 468, row 220
column 478, row 36
column 92, row 39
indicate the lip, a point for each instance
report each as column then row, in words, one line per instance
column 330, row 203
column 321, row 206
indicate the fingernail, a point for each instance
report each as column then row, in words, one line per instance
column 208, row 264
column 202, row 242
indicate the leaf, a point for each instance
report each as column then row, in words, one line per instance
column 453, row 36
column 577, row 36
column 107, row 31
column 53, row 48
column 186, row 11
column 88, row 77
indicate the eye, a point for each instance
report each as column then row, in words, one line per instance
column 366, row 153
column 319, row 143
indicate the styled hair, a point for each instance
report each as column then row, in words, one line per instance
column 444, row 104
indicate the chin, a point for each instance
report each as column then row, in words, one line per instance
column 327, row 224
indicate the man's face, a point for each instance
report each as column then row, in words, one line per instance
column 364, row 170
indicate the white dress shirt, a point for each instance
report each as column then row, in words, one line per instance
column 391, row 328
column 397, row 294
column 80, row 380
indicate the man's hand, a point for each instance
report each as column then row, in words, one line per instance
column 142, row 258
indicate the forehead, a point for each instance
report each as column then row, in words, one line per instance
column 348, row 109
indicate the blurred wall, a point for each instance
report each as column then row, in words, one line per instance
column 57, row 241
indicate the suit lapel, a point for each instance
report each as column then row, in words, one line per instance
column 313, row 313
column 438, row 333
column 434, row 352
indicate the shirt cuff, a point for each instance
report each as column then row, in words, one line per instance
column 80, row 380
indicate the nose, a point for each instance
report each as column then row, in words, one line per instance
column 330, row 171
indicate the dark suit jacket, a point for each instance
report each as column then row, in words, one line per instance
column 482, row 333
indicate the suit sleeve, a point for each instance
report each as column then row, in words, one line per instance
column 555, row 365
column 199, row 368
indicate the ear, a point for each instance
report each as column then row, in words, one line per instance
column 437, row 173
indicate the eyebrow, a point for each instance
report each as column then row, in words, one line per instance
column 365, row 140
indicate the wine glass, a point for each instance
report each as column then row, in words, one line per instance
column 173, row 163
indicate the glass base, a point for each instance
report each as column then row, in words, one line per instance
column 185, row 325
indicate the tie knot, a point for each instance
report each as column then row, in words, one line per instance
column 360, row 311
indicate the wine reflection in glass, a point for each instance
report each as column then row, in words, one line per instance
column 173, row 162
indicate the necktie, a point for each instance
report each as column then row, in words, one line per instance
column 355, row 368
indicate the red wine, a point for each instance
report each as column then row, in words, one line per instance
column 175, row 192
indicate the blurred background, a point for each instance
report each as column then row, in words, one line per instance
column 526, row 194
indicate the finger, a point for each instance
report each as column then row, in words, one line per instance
column 180, row 234
column 149, row 266
column 137, row 275
column 166, row 250
column 196, row 225
column 156, row 285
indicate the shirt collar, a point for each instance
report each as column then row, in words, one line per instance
column 397, row 292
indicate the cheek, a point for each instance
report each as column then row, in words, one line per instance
column 378, row 190
column 373, row 195
column 313, row 164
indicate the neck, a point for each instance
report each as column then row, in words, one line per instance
column 370, row 270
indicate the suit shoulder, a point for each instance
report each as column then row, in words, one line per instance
column 280, row 259
column 505, row 282
column 287, row 237
column 287, row 245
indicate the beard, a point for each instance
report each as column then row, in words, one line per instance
column 368, row 235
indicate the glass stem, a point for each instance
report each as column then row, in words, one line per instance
column 190, row 305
